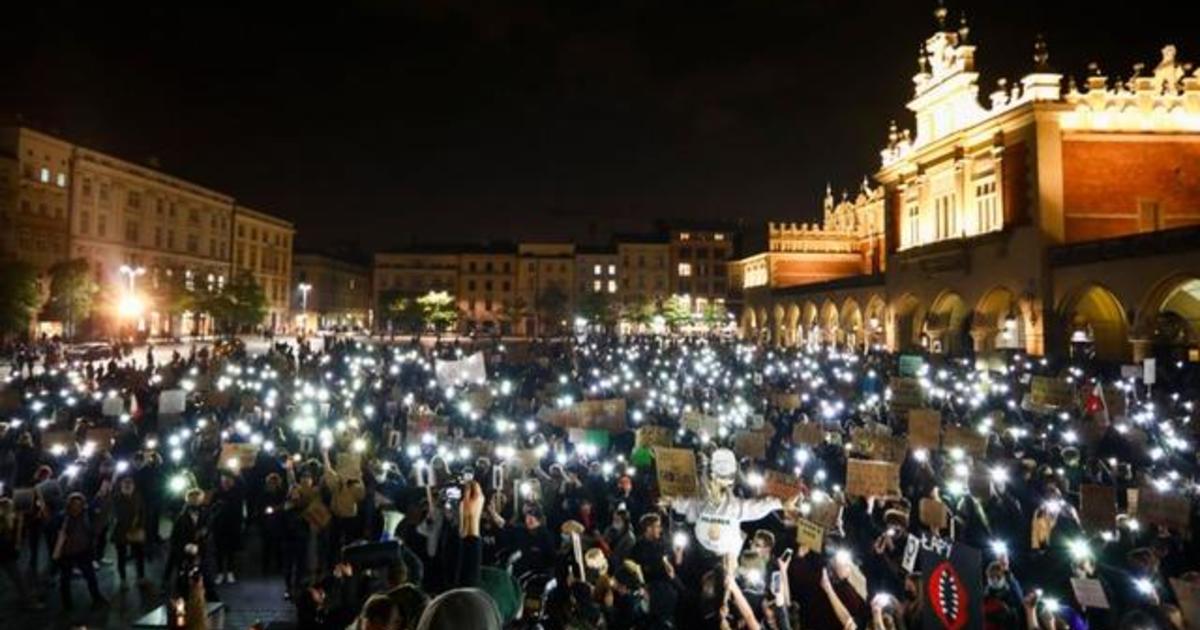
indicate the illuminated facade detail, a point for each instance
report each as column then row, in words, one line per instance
column 1001, row 215
column 339, row 294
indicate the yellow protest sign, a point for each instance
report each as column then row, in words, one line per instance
column 676, row 471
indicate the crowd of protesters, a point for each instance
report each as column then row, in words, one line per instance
column 382, row 495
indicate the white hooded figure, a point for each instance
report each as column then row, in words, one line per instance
column 717, row 513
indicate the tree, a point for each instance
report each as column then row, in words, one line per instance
column 19, row 297
column 172, row 295
column 714, row 316
column 438, row 310
column 640, row 312
column 72, row 293
column 517, row 313
column 677, row 312
column 246, row 302
column 406, row 314
column 551, row 307
column 597, row 308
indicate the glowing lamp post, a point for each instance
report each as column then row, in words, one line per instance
column 130, row 306
column 304, row 288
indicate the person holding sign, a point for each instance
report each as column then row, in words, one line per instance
column 718, row 514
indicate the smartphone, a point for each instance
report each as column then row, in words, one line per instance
column 787, row 555
column 776, row 582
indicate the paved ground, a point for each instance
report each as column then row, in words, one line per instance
column 255, row 597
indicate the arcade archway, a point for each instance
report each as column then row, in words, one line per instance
column 1095, row 323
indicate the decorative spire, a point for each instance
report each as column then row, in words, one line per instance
column 1041, row 56
column 939, row 14
column 893, row 135
column 866, row 185
column 964, row 31
column 922, row 59
column 1094, row 69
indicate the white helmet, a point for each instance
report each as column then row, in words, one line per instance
column 724, row 464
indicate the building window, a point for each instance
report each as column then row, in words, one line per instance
column 170, row 239
column 85, row 222
column 506, row 286
column 102, row 225
column 987, row 207
column 596, row 270
column 913, row 224
column 612, row 286
column 131, row 231
column 612, row 270
column 684, row 236
column 718, row 236
column 685, row 269
column 61, row 180
column 158, row 237
column 87, row 187
column 44, row 175
column 193, row 244
column 471, row 266
column 945, row 215
column 470, row 285
column 596, row 286
column 135, row 200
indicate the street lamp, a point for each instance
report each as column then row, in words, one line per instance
column 304, row 288
column 132, row 273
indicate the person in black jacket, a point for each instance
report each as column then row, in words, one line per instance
column 229, row 505
column 189, row 540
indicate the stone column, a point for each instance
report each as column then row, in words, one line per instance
column 1141, row 347
column 980, row 336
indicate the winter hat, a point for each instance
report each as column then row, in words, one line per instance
column 461, row 609
column 505, row 592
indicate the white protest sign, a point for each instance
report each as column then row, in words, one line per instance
column 171, row 401
column 470, row 369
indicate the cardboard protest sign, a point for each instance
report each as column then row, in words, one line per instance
column 966, row 438
column 606, row 414
column 244, row 454
column 218, row 398
column 810, row 535
column 479, row 398
column 171, row 401
column 1129, row 371
column 925, row 428
column 317, row 515
column 1169, row 510
column 697, row 422
column 676, row 470
column 1047, row 391
column 879, row 446
column 1149, row 370
column 65, row 439
column 750, row 444
column 786, row 401
column 825, row 512
column 1089, row 593
column 349, row 465
column 811, row 433
column 112, row 406
column 934, row 514
column 1187, row 593
column 469, row 369
column 650, row 436
column 1097, row 506
column 101, row 437
column 906, row 395
column 866, row 478
column 781, row 485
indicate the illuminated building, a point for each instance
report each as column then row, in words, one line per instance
column 1043, row 219
column 699, row 265
column 545, row 275
column 340, row 293
column 263, row 248
column 486, row 288
column 63, row 201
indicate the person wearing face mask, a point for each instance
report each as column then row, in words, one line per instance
column 619, row 536
column 129, row 528
column 1002, row 601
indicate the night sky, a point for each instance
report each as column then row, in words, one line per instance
column 381, row 124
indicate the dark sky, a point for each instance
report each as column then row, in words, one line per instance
column 384, row 123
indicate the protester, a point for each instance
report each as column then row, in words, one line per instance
column 393, row 485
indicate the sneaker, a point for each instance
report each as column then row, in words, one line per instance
column 231, row 578
column 220, row 579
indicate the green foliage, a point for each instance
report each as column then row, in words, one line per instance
column 405, row 313
column 19, row 298
column 438, row 310
column 597, row 308
column 640, row 312
column 72, row 293
column 714, row 315
column 172, row 296
column 677, row 312
column 245, row 302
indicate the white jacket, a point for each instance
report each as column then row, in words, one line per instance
column 718, row 522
